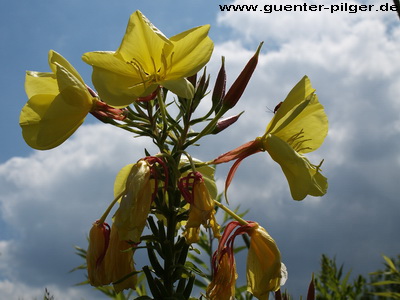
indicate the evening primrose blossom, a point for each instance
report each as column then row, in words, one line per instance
column 264, row 267
column 146, row 59
column 299, row 126
column 58, row 104
column 265, row 271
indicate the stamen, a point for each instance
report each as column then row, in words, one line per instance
column 141, row 72
column 154, row 69
column 318, row 168
column 297, row 141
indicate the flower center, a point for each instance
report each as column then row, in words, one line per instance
column 157, row 74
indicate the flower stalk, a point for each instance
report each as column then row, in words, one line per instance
column 165, row 201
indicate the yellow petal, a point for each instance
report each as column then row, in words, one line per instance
column 117, row 90
column 39, row 83
column 201, row 213
column 144, row 43
column 181, row 87
column 298, row 94
column 48, row 120
column 119, row 263
column 263, row 264
column 192, row 50
column 73, row 91
column 305, row 126
column 58, row 103
column 56, row 59
column 112, row 62
column 137, row 190
column 303, row 177
column 95, row 255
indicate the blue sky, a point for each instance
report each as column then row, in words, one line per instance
column 48, row 200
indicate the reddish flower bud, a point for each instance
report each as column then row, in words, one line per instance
column 220, row 85
column 106, row 113
column 238, row 87
column 225, row 123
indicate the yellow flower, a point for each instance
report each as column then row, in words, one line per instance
column 299, row 126
column 146, row 59
column 99, row 238
column 202, row 211
column 222, row 286
column 119, row 263
column 58, row 104
column 136, row 188
column 263, row 263
column 265, row 272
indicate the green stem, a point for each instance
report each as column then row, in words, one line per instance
column 231, row 213
column 163, row 112
column 104, row 216
column 210, row 126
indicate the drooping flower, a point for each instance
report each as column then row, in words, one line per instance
column 136, row 189
column 99, row 238
column 58, row 104
column 222, row 286
column 147, row 59
column 202, row 212
column 118, row 262
column 264, row 269
column 299, row 126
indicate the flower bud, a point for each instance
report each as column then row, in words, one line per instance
column 238, row 87
column 220, row 86
column 225, row 123
column 106, row 113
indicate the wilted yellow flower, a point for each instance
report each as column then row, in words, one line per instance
column 119, row 263
column 147, row 59
column 202, row 212
column 265, row 272
column 263, row 263
column 136, row 187
column 99, row 238
column 299, row 126
column 222, row 286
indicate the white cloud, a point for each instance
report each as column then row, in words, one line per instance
column 48, row 202
column 350, row 59
column 49, row 199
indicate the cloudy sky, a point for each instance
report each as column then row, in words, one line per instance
column 48, row 200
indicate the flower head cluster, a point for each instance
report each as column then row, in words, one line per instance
column 299, row 126
column 265, row 272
